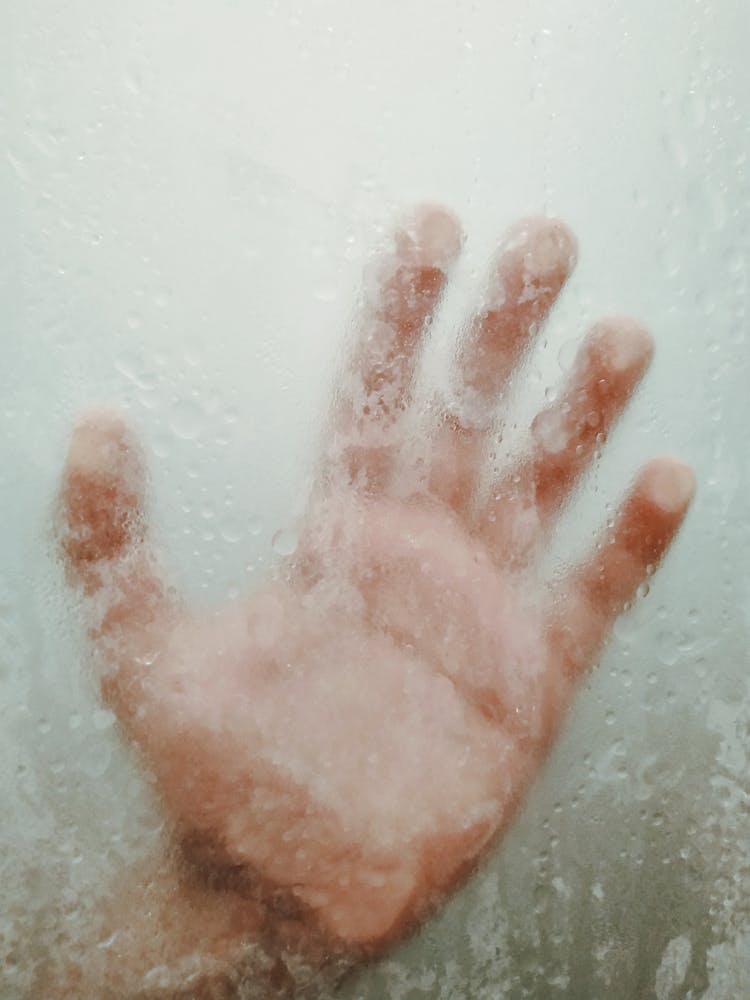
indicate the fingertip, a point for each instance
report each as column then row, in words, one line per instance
column 101, row 442
column 546, row 245
column 430, row 236
column 101, row 493
column 99, row 415
column 669, row 483
column 554, row 247
column 626, row 343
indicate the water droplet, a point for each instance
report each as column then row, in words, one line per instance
column 18, row 166
column 232, row 530
column 133, row 367
column 128, row 364
column 593, row 418
column 102, row 719
column 146, row 659
column 667, row 648
column 567, row 354
column 284, row 542
column 187, row 419
column 131, row 80
column 160, row 445
column 694, row 105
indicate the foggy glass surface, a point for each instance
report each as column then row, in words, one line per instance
column 189, row 195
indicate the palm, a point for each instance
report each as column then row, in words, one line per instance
column 351, row 738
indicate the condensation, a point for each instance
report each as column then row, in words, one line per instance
column 189, row 196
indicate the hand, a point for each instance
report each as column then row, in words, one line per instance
column 338, row 750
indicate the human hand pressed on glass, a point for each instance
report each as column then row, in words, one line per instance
column 336, row 751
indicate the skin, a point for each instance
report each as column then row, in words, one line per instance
column 338, row 750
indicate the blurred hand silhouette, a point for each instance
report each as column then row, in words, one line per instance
column 338, row 750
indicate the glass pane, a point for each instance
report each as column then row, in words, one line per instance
column 191, row 196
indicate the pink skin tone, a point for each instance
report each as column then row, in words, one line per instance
column 337, row 751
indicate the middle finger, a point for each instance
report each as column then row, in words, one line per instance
column 537, row 258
